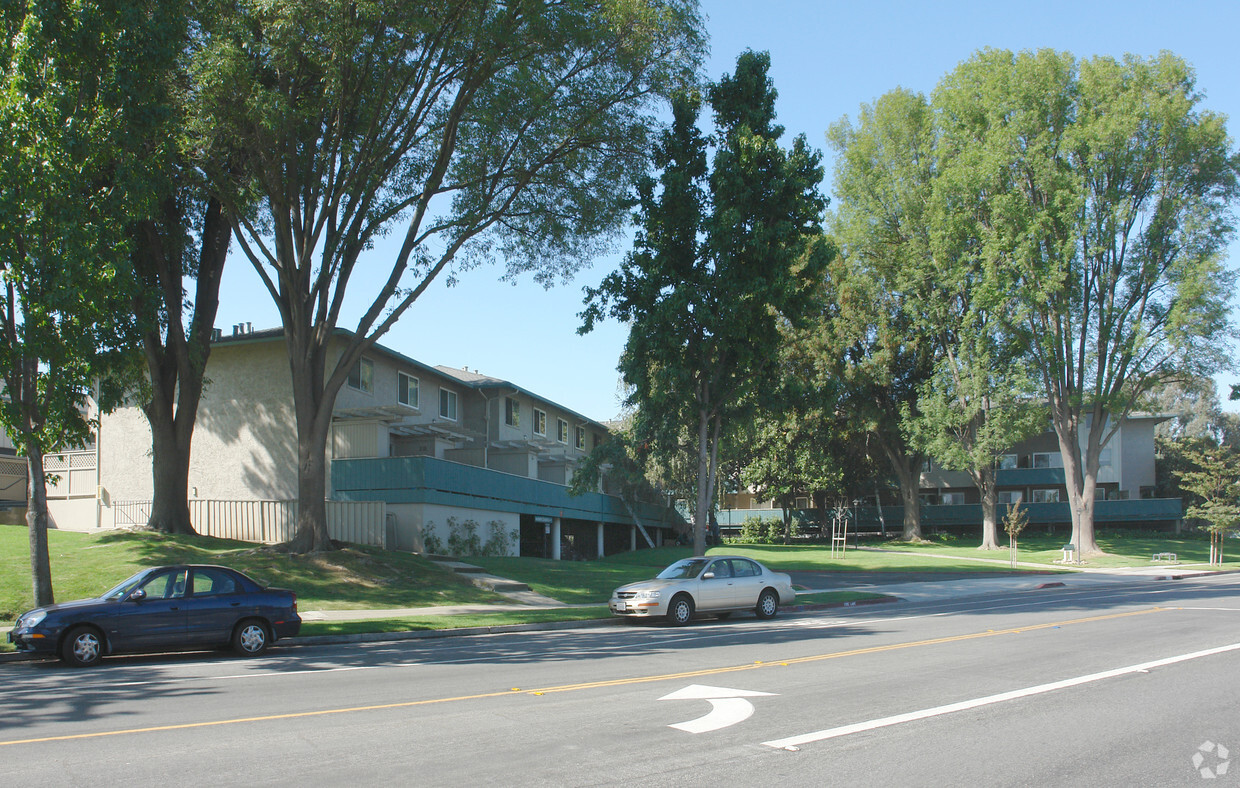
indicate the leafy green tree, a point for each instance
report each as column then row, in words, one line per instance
column 72, row 92
column 1105, row 189
column 1212, row 476
column 728, row 248
column 472, row 130
column 179, row 248
column 897, row 219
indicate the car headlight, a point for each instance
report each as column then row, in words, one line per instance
column 647, row 594
column 32, row 619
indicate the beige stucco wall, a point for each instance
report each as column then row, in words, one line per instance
column 415, row 520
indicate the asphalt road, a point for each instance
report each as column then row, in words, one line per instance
column 1125, row 685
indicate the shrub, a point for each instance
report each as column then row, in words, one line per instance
column 463, row 538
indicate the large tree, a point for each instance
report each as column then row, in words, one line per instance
column 728, row 248
column 1106, row 189
column 73, row 89
column 471, row 130
column 179, row 250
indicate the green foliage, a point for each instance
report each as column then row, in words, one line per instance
column 1212, row 476
column 1102, row 192
column 728, row 248
column 465, row 541
column 1015, row 519
column 474, row 131
column 759, row 530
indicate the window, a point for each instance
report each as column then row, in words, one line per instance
column 540, row 422
column 447, row 404
column 561, row 430
column 362, row 376
column 212, row 582
column 581, row 438
column 1010, row 497
column 406, row 389
column 926, row 465
column 1007, row 462
column 512, row 412
column 1047, row 460
column 802, row 503
column 1046, row 496
column 951, row 498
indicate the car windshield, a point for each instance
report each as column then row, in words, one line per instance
column 683, row 570
column 125, row 587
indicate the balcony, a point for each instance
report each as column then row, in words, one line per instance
column 428, row 480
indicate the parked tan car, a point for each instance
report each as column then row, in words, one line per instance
column 717, row 584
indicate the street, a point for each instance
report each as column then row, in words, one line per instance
column 1122, row 685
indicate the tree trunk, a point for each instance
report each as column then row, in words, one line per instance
column 985, row 481
column 177, row 364
column 169, row 470
column 311, row 535
column 908, row 474
column 701, row 512
column 1081, row 485
column 36, row 521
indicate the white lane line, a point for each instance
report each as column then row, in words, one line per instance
column 847, row 730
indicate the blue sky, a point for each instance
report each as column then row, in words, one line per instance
column 827, row 58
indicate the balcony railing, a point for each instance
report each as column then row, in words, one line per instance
column 1147, row 510
column 430, row 480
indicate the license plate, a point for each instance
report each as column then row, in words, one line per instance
column 620, row 606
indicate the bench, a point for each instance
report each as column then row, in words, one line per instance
column 1166, row 557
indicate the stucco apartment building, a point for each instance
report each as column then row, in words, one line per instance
column 429, row 446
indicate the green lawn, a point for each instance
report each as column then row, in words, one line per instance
column 85, row 565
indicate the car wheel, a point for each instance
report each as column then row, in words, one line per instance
column 768, row 604
column 681, row 610
column 83, row 647
column 250, row 638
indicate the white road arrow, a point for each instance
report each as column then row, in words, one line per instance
column 729, row 707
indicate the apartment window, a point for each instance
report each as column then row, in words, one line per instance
column 598, row 439
column 1046, row 496
column 1045, row 459
column 1010, row 497
column 512, row 412
column 406, row 389
column 581, row 438
column 802, row 503
column 561, row 430
column 447, row 404
column 1007, row 462
column 362, row 376
column 951, row 498
column 540, row 422
column 926, row 465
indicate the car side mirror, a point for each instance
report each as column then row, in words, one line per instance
column 138, row 595
column 708, row 576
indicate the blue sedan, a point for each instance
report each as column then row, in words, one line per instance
column 164, row 608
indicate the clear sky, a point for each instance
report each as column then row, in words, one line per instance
column 827, row 58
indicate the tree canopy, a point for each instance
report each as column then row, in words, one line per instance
column 471, row 130
column 729, row 247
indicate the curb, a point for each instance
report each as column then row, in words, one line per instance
column 498, row 629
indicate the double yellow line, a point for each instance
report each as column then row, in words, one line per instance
column 590, row 684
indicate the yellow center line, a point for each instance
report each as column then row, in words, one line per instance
column 590, row 684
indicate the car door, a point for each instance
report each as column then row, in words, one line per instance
column 715, row 592
column 215, row 603
column 746, row 582
column 156, row 617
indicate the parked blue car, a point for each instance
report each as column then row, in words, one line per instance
column 165, row 608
